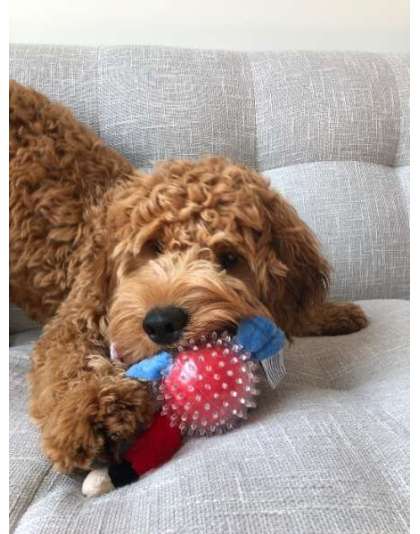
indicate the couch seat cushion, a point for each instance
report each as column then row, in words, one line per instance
column 328, row 452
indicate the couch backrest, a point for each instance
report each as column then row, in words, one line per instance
column 330, row 129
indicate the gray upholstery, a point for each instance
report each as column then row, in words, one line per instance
column 262, row 109
column 325, row 453
column 328, row 451
column 360, row 213
column 18, row 320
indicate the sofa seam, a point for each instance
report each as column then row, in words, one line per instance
column 398, row 98
column 98, row 54
column 314, row 162
column 247, row 56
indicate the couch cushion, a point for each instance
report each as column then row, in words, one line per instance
column 66, row 74
column 312, row 106
column 359, row 212
column 25, row 337
column 263, row 109
column 327, row 452
column 18, row 320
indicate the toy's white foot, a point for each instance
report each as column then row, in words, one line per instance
column 97, row 483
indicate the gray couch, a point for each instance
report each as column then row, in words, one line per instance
column 328, row 451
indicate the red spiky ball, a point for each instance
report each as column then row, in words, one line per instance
column 210, row 387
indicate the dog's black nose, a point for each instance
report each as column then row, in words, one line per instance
column 164, row 325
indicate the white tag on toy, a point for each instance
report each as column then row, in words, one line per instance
column 274, row 369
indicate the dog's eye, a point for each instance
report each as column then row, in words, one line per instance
column 228, row 259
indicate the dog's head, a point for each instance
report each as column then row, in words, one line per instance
column 196, row 247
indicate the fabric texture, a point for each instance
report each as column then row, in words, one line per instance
column 327, row 452
column 18, row 320
column 261, row 109
column 329, row 106
column 359, row 212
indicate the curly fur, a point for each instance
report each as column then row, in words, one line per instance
column 95, row 245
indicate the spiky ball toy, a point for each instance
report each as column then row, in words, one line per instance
column 205, row 389
column 210, row 386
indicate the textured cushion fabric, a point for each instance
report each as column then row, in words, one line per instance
column 359, row 212
column 18, row 320
column 331, row 106
column 67, row 74
column 328, row 452
column 400, row 68
column 261, row 109
column 169, row 103
column 25, row 337
column 403, row 174
column 271, row 111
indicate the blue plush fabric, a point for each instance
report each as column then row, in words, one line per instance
column 151, row 368
column 257, row 335
column 260, row 337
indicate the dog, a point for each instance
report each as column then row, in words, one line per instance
column 100, row 253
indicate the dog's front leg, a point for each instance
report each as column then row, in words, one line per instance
column 79, row 398
column 331, row 319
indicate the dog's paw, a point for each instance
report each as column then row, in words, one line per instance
column 342, row 318
column 92, row 418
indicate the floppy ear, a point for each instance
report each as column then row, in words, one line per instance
column 305, row 280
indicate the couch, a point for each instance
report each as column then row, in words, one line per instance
column 328, row 451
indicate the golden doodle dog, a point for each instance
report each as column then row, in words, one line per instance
column 101, row 253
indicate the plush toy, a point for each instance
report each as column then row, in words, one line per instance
column 205, row 388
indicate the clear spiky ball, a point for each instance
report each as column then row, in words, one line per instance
column 210, row 386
